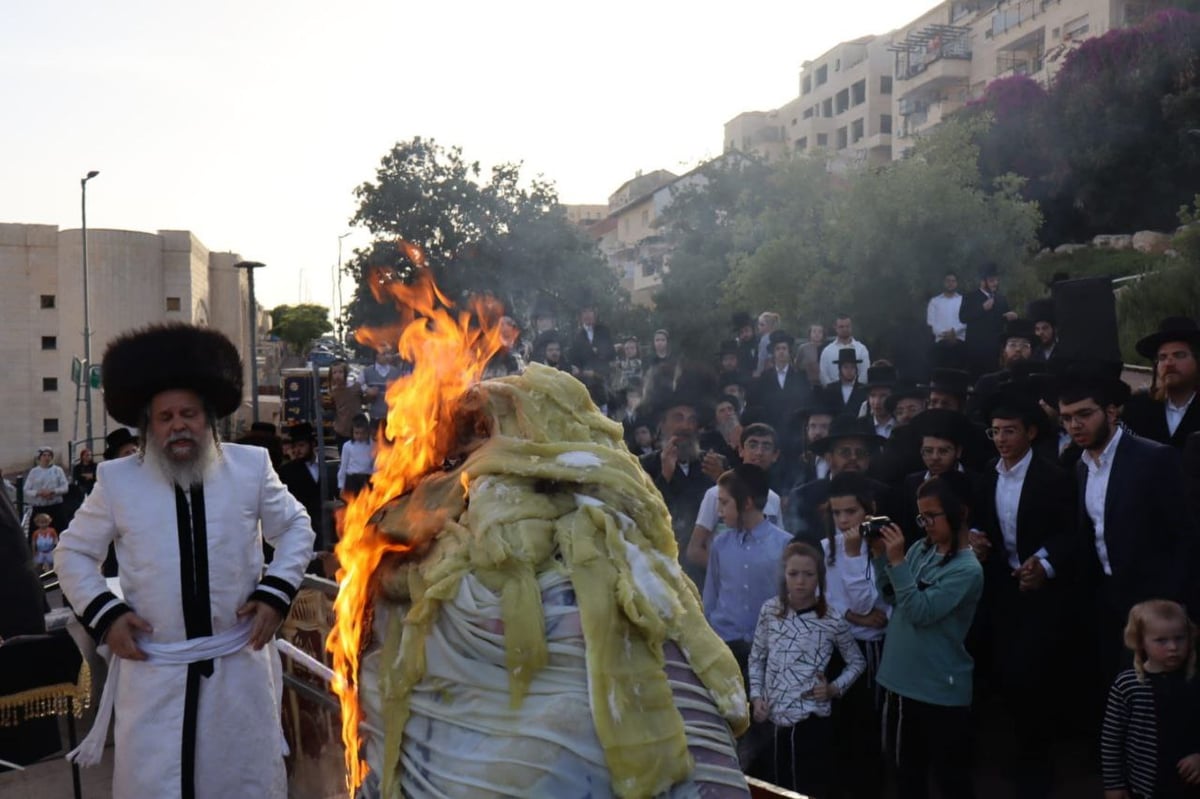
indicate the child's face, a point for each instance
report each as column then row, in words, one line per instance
column 631, row 349
column 800, row 571
column 42, row 521
column 359, row 433
column 643, row 437
column 727, row 509
column 1166, row 644
column 847, row 514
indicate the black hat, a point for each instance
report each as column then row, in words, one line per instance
column 881, row 377
column 848, row 355
column 117, row 439
column 1018, row 328
column 989, row 269
column 817, row 405
column 1101, row 377
column 741, row 319
column 263, row 427
column 1014, row 400
column 1173, row 328
column 301, row 431
column 671, row 386
column 903, row 392
column 140, row 364
column 942, row 423
column 780, row 337
column 950, row 381
column 1041, row 311
column 729, row 348
column 843, row 427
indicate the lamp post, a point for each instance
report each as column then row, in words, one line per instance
column 250, row 266
column 87, row 328
column 340, row 326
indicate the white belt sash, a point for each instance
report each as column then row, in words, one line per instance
column 180, row 653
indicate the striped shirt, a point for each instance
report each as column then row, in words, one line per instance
column 1140, row 743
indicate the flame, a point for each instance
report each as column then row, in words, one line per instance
column 448, row 351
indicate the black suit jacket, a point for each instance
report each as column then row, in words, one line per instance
column 1148, row 418
column 1046, row 517
column 595, row 354
column 682, row 495
column 1148, row 528
column 774, row 405
column 983, row 328
column 301, row 485
column 833, row 398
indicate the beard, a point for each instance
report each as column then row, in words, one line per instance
column 183, row 472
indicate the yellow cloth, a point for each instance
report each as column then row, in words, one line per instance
column 554, row 488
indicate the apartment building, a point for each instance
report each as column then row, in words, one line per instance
column 585, row 215
column 135, row 279
column 868, row 99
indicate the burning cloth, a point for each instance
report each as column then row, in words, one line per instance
column 539, row 638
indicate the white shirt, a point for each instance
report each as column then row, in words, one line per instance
column 884, row 429
column 847, row 390
column 356, row 459
column 1175, row 413
column 829, row 356
column 850, row 586
column 707, row 516
column 781, row 376
column 1097, row 492
column 942, row 316
column 1009, row 484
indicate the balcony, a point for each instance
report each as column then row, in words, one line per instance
column 934, row 56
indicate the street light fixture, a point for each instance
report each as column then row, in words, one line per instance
column 250, row 266
column 87, row 328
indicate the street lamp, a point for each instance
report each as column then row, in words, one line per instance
column 87, row 329
column 250, row 266
column 340, row 326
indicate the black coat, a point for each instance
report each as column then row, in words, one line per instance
column 833, row 399
column 1148, row 418
column 983, row 329
column 301, row 485
column 1046, row 517
column 682, row 495
column 770, row 403
column 593, row 355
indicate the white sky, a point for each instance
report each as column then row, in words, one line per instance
column 251, row 122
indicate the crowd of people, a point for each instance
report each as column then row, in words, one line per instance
column 881, row 547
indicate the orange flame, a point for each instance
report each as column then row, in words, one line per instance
column 448, row 353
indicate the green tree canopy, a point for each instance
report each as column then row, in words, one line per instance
column 298, row 325
column 481, row 234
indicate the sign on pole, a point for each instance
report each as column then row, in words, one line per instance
column 94, row 376
column 77, row 371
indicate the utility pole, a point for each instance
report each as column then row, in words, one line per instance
column 87, row 328
column 250, row 266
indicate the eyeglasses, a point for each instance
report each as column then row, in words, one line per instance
column 1081, row 416
column 997, row 432
column 927, row 519
column 1018, row 344
column 852, row 452
column 758, row 446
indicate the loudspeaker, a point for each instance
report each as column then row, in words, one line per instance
column 1086, row 315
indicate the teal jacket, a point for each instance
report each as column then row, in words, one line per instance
column 924, row 657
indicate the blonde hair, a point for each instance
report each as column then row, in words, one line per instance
column 1159, row 610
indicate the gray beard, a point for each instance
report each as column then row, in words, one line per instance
column 184, row 474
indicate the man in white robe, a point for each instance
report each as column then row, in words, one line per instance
column 185, row 518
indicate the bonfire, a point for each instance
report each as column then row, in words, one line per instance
column 512, row 618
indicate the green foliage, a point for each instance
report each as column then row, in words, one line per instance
column 797, row 238
column 483, row 235
column 298, row 325
column 1172, row 290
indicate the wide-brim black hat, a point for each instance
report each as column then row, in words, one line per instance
column 780, row 337
column 115, row 440
column 1103, row 377
column 881, row 377
column 848, row 355
column 1016, row 399
column 1018, row 328
column 942, row 423
column 844, row 427
column 673, row 386
column 1173, row 328
column 740, row 319
column 301, row 431
column 142, row 363
column 950, row 381
column 729, row 348
column 1040, row 311
column 903, row 392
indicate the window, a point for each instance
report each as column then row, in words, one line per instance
column 49, row 342
column 885, row 84
column 822, row 74
column 1075, row 29
column 47, row 300
column 49, row 425
column 806, row 84
column 801, row 144
column 841, row 139
column 843, row 100
column 49, row 384
column 885, row 123
column 645, row 216
column 808, row 112
column 173, row 304
column 822, row 139
column 856, row 130
column 858, row 93
column 827, row 107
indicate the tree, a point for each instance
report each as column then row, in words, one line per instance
column 298, row 325
column 481, row 236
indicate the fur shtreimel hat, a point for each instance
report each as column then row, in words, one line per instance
column 142, row 363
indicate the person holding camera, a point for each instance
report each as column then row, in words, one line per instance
column 934, row 589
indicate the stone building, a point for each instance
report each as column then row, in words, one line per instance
column 134, row 279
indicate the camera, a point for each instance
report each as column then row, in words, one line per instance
column 873, row 526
